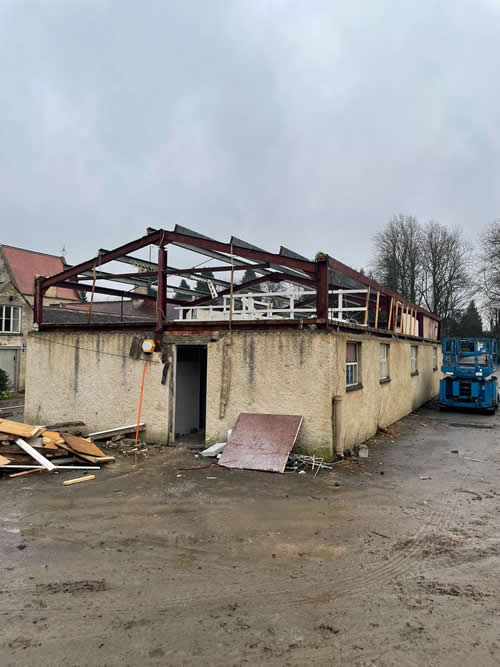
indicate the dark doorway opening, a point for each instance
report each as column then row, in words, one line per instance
column 191, row 392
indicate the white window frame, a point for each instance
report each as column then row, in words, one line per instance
column 383, row 355
column 414, row 359
column 13, row 309
column 352, row 368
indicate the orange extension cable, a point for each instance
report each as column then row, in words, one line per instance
column 140, row 408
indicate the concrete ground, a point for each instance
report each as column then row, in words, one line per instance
column 397, row 565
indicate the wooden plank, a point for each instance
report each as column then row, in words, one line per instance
column 15, row 450
column 376, row 310
column 25, row 472
column 16, row 428
column 48, row 443
column 7, row 437
column 81, row 446
column 389, row 321
column 77, row 480
column 4, row 461
column 366, row 305
column 53, row 435
column 39, row 458
column 396, row 309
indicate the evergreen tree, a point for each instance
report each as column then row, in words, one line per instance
column 183, row 285
column 471, row 324
column 201, row 285
column 249, row 275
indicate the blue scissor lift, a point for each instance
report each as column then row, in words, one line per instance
column 468, row 366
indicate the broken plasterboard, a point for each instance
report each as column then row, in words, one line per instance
column 261, row 442
column 213, row 450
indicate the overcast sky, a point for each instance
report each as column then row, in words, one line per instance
column 304, row 123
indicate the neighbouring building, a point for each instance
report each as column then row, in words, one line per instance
column 327, row 343
column 18, row 268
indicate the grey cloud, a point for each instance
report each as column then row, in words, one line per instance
column 303, row 123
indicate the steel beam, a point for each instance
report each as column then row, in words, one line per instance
column 102, row 259
column 38, row 301
column 197, row 242
column 161, row 297
column 322, row 288
column 127, row 259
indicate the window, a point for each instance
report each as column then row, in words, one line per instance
column 352, row 365
column 384, row 361
column 413, row 360
column 434, row 358
column 10, row 319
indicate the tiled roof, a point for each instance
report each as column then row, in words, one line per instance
column 24, row 265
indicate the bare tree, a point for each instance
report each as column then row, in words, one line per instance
column 398, row 262
column 489, row 274
column 427, row 264
column 445, row 284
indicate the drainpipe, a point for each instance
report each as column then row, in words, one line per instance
column 338, row 426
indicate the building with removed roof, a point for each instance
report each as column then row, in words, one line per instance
column 309, row 337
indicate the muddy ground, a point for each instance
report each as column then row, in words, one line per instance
column 367, row 565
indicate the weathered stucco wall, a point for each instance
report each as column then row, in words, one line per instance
column 273, row 372
column 376, row 404
column 300, row 373
column 91, row 377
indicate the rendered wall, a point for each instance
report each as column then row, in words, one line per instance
column 273, row 372
column 91, row 377
column 376, row 404
column 300, row 372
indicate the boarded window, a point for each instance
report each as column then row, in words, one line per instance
column 384, row 361
column 414, row 359
column 10, row 319
column 352, row 364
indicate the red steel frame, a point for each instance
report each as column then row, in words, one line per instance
column 314, row 275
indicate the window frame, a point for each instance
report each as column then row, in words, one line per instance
column 386, row 361
column 14, row 310
column 414, row 370
column 434, row 358
column 354, row 366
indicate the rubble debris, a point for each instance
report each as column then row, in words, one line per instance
column 363, row 452
column 261, row 442
column 39, row 458
column 29, row 448
column 77, row 480
column 19, row 429
column 297, row 463
column 213, row 450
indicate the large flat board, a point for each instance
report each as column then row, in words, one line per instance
column 261, row 442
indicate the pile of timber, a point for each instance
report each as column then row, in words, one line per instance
column 32, row 448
